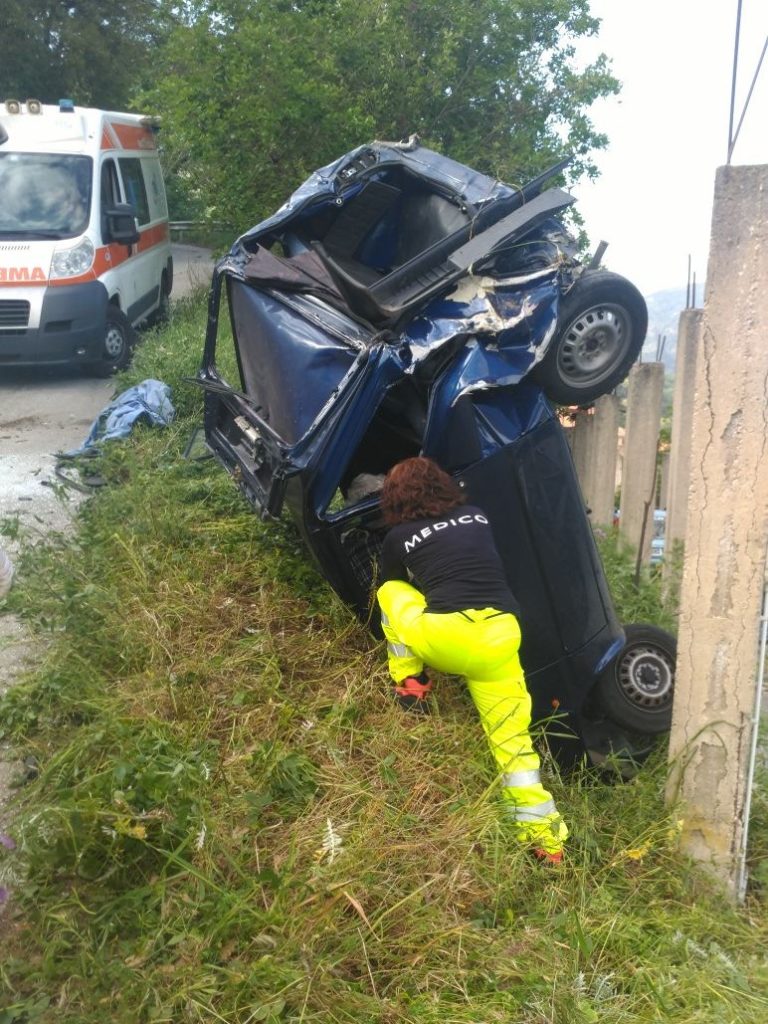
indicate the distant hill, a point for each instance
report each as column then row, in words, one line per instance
column 664, row 310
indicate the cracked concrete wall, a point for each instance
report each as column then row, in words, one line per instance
column 727, row 532
column 641, row 439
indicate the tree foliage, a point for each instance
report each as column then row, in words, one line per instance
column 93, row 51
column 256, row 95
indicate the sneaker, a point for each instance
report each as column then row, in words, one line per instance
column 411, row 694
column 546, row 857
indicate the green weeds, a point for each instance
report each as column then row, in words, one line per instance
column 231, row 822
column 652, row 597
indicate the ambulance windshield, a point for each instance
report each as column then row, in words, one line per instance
column 44, row 195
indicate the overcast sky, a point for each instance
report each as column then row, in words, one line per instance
column 668, row 129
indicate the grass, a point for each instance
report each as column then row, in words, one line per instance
column 232, row 823
column 650, row 598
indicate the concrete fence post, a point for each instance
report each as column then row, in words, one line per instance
column 716, row 699
column 602, row 475
column 688, row 335
column 663, row 480
column 581, row 449
column 644, row 395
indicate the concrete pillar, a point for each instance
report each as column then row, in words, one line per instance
column 726, row 535
column 663, row 480
column 645, row 386
column 602, row 473
column 581, row 448
column 688, row 334
column 620, row 460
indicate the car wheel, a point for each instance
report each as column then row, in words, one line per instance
column 162, row 314
column 637, row 687
column 601, row 328
column 117, row 346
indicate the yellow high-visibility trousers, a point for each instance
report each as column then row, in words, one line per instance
column 482, row 645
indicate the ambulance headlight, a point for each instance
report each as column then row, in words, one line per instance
column 73, row 262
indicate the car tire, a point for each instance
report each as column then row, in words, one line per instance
column 602, row 324
column 162, row 314
column 636, row 689
column 117, row 345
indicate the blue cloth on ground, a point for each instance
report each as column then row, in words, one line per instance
column 148, row 402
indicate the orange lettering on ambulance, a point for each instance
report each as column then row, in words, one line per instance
column 21, row 275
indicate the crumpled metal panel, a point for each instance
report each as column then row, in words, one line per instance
column 327, row 183
column 507, row 322
column 508, row 325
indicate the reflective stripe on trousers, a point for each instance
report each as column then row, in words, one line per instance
column 482, row 645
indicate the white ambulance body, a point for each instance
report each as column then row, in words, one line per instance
column 85, row 251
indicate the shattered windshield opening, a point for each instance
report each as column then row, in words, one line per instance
column 44, row 195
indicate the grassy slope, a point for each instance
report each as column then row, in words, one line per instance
column 210, row 718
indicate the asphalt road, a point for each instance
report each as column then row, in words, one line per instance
column 43, row 411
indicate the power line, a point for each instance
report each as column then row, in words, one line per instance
column 733, row 136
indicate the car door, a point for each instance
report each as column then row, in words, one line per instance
column 144, row 280
column 298, row 361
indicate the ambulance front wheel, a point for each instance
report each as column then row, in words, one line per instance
column 117, row 346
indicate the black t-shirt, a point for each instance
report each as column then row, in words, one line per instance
column 453, row 560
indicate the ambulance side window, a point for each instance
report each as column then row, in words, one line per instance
column 110, row 193
column 135, row 190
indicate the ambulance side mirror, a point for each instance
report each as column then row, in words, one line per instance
column 121, row 224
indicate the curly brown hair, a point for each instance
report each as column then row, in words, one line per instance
column 418, row 489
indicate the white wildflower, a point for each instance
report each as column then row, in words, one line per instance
column 200, row 838
column 722, row 956
column 46, row 834
column 332, row 842
column 695, row 948
column 604, row 988
column 206, row 771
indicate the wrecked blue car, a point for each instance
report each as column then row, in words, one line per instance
column 401, row 303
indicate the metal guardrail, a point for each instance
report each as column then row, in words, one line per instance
column 179, row 228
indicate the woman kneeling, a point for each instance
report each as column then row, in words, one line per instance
column 460, row 617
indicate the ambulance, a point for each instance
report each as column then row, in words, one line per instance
column 85, row 254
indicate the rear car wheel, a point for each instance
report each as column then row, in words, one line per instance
column 637, row 687
column 601, row 327
column 162, row 314
column 117, row 346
